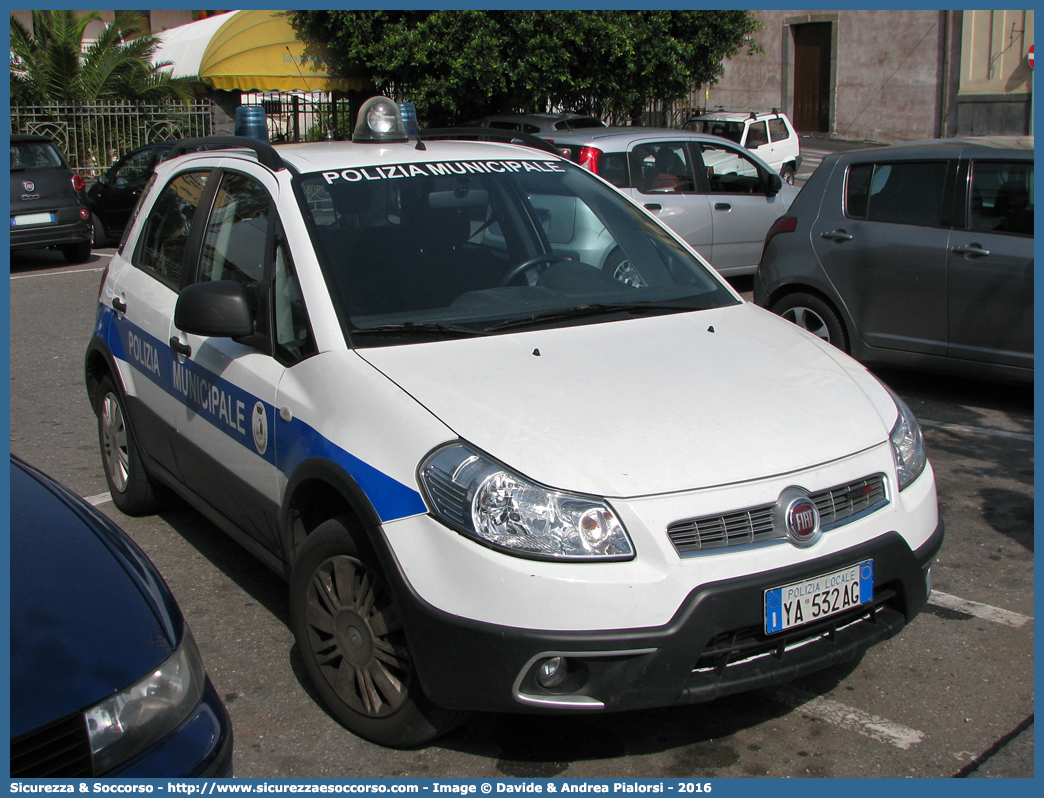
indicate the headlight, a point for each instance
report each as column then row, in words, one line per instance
column 130, row 721
column 907, row 443
column 485, row 501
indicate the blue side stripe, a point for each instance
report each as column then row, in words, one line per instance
column 229, row 408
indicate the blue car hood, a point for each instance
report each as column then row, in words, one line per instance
column 90, row 615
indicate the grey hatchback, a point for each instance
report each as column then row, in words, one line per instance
column 916, row 255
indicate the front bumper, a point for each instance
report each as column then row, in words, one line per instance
column 714, row 645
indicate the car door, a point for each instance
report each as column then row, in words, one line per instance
column 143, row 303
column 742, row 208
column 881, row 237
column 663, row 181
column 124, row 182
column 990, row 265
column 224, row 390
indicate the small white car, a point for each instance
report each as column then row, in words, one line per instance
column 497, row 475
column 770, row 134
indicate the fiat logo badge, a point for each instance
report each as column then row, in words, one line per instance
column 28, row 185
column 797, row 514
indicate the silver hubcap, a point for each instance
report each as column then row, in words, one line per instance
column 356, row 637
column 808, row 319
column 114, row 442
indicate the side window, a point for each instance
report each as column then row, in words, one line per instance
column 168, row 226
column 778, row 129
column 730, row 171
column 757, row 134
column 136, row 167
column 857, row 190
column 909, row 192
column 1002, row 197
column 612, row 166
column 662, row 167
column 235, row 236
column 293, row 334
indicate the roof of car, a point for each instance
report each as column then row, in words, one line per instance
column 1020, row 147
column 737, row 116
column 338, row 155
column 25, row 138
column 631, row 132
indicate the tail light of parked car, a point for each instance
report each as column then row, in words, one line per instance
column 78, row 183
column 784, row 224
column 589, row 158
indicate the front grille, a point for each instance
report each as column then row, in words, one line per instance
column 836, row 506
column 60, row 750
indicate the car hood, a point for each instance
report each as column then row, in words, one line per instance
column 81, row 626
column 651, row 405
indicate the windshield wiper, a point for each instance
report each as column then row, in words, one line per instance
column 419, row 327
column 594, row 309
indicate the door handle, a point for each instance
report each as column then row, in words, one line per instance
column 182, row 349
column 722, row 206
column 974, row 250
column 118, row 305
column 836, row 235
column 653, row 206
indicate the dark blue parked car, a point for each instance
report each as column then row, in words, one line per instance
column 106, row 679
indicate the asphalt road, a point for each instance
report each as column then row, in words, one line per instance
column 951, row 696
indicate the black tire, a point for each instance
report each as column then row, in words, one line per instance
column 617, row 265
column 815, row 315
column 77, row 253
column 98, row 231
column 349, row 632
column 787, row 173
column 129, row 485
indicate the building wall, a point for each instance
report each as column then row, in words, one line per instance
column 900, row 75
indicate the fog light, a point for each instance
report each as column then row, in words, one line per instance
column 552, row 672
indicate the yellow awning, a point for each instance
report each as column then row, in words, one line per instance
column 259, row 51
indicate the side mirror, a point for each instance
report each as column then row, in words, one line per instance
column 103, row 178
column 775, row 184
column 753, row 145
column 121, row 182
column 219, row 309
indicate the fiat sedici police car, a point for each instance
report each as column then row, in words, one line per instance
column 513, row 444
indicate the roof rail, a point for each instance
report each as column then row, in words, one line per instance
column 489, row 134
column 266, row 154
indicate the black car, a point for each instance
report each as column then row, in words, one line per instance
column 106, row 679
column 48, row 200
column 113, row 197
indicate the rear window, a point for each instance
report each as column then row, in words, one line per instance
column 719, row 127
column 35, row 155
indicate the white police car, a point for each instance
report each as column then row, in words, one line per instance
column 496, row 475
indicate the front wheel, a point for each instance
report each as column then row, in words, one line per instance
column 787, row 174
column 815, row 315
column 129, row 485
column 350, row 634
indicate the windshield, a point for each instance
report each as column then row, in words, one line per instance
column 720, row 127
column 463, row 248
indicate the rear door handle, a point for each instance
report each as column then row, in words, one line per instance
column 118, row 305
column 836, row 235
column 652, row 206
column 722, row 206
column 974, row 250
column 182, row 349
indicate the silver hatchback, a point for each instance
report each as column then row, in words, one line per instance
column 917, row 255
column 718, row 196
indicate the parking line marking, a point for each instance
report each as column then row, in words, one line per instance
column 101, row 498
column 872, row 726
column 984, row 611
column 57, row 273
column 960, row 428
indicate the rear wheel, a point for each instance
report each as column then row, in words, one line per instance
column 77, row 253
column 787, row 174
column 98, row 231
column 129, row 485
column 350, row 634
column 815, row 315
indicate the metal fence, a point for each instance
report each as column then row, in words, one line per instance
column 304, row 116
column 94, row 135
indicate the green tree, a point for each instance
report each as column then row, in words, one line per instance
column 49, row 64
column 457, row 65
